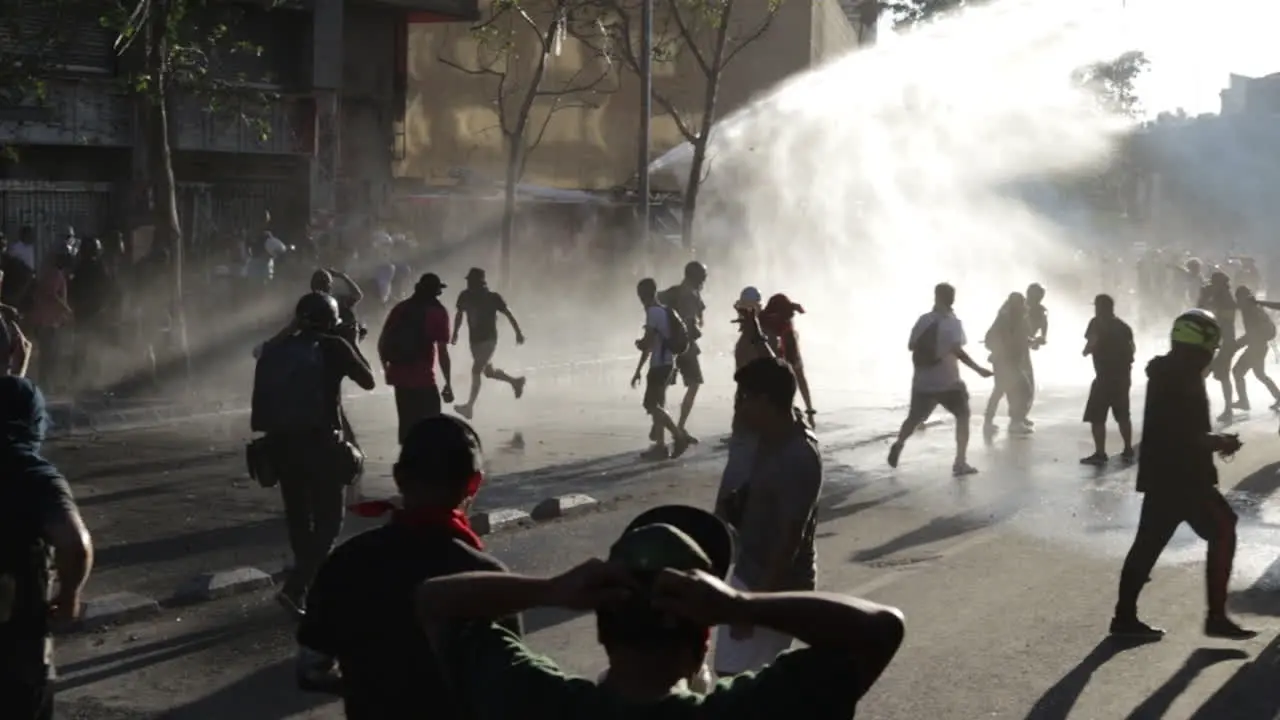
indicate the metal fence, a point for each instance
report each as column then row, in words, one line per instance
column 51, row 208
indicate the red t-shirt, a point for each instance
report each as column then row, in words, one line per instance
column 421, row 373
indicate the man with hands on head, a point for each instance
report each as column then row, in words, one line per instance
column 656, row 598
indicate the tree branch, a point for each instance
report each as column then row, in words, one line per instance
column 470, row 71
column 739, row 43
column 556, row 107
column 682, row 125
column 689, row 36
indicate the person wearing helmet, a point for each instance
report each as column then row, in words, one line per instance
column 1178, row 479
column 94, row 294
column 297, row 404
column 1217, row 298
column 349, row 326
column 686, row 299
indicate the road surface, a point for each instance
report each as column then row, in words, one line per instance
column 1007, row 578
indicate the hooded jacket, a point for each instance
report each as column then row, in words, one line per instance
column 1173, row 455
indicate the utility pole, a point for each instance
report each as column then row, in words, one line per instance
column 646, row 116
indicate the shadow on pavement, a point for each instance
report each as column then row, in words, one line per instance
column 151, row 466
column 268, row 693
column 938, row 529
column 85, row 501
column 1056, row 702
column 1251, row 492
column 113, row 664
column 270, row 531
column 1251, row 694
column 1158, row 704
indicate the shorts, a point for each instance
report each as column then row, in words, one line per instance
column 955, row 401
column 414, row 405
column 1254, row 356
column 689, row 368
column 1107, row 395
column 655, row 387
column 482, row 354
column 751, row 653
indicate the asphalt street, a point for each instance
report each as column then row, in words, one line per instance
column 1007, row 578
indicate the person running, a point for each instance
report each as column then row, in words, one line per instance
column 1109, row 340
column 656, row 599
column 1178, row 479
column 1216, row 298
column 481, row 306
column 1009, row 340
column 937, row 349
column 1259, row 332
column 656, row 350
column 686, row 299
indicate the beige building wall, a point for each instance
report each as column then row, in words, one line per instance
column 452, row 119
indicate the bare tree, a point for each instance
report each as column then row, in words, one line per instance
column 709, row 34
column 519, row 89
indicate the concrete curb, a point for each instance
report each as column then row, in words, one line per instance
column 121, row 608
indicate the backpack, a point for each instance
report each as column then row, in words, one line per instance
column 924, row 351
column 404, row 338
column 24, row 593
column 289, row 393
column 677, row 339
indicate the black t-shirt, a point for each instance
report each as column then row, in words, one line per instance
column 1113, row 346
column 688, row 303
column 1258, row 326
column 27, row 504
column 482, row 306
column 1173, row 456
column 360, row 611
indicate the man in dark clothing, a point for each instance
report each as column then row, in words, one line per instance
column 304, row 428
column 1216, row 298
column 1178, row 479
column 1038, row 319
column 17, row 270
column 37, row 516
column 349, row 326
column 481, row 306
column 415, row 333
column 686, row 300
column 656, row 599
column 360, row 607
column 1259, row 332
column 94, row 298
column 1110, row 341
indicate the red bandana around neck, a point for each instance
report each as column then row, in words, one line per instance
column 453, row 520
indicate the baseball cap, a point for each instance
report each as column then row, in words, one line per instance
column 441, row 448
column 677, row 537
column 431, row 281
column 475, row 273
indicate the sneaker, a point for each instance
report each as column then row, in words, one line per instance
column 518, row 387
column 656, row 452
column 962, row 469
column 1097, row 460
column 1128, row 455
column 1221, row 626
column 463, row 410
column 1020, row 428
column 990, row 427
column 1226, row 416
column 1134, row 629
column 680, row 445
column 1241, row 405
column 895, row 452
column 1028, row 422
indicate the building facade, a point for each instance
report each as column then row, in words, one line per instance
column 334, row 71
column 453, row 128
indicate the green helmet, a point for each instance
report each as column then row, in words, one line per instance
column 1197, row 328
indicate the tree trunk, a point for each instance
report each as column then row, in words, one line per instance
column 168, row 231
column 709, row 99
column 515, row 160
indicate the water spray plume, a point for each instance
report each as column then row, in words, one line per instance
column 929, row 158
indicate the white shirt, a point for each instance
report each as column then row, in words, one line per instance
column 945, row 375
column 655, row 319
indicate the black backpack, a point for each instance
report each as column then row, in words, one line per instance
column 24, row 590
column 677, row 339
column 289, row 393
column 404, row 341
column 924, row 351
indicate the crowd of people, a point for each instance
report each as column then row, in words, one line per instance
column 417, row 606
